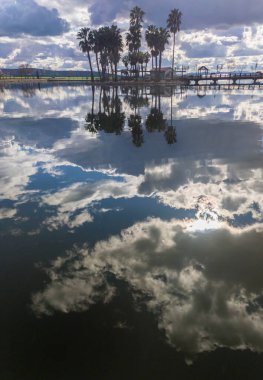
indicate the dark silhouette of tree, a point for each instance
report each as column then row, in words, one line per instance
column 111, row 120
column 170, row 132
column 116, row 47
column 156, row 39
column 133, row 37
column 97, row 48
column 173, row 24
column 135, row 101
column 25, row 70
column 155, row 121
column 86, row 43
column 170, row 135
column 135, row 124
column 146, row 60
column 162, row 39
column 126, row 61
column 108, row 46
column 150, row 37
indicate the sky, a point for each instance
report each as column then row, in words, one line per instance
column 42, row 33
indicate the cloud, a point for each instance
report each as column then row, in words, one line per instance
column 201, row 21
column 105, row 11
column 203, row 286
column 7, row 213
column 196, row 14
column 27, row 17
column 216, row 163
column 6, row 49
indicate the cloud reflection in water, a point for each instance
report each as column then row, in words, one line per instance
column 203, row 286
column 201, row 276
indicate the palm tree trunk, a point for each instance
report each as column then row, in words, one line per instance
column 90, row 65
column 101, row 67
column 92, row 107
column 173, row 58
column 111, row 68
column 171, row 106
column 115, row 73
column 98, row 66
column 100, row 100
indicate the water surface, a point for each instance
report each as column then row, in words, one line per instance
column 131, row 233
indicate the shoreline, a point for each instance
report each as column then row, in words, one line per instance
column 90, row 83
column 168, row 83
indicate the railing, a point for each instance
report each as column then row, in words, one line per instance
column 216, row 76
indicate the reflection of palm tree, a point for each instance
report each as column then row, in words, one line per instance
column 155, row 121
column 112, row 123
column 135, row 124
column 111, row 120
column 135, row 100
column 90, row 118
column 170, row 132
column 28, row 90
column 170, row 135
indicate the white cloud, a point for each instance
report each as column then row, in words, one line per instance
column 211, row 31
column 7, row 213
column 197, row 282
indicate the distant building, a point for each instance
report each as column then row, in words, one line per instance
column 203, row 70
column 164, row 74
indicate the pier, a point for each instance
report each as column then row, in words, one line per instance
column 216, row 78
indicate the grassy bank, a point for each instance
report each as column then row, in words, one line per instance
column 88, row 81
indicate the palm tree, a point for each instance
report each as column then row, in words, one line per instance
column 136, row 16
column 162, row 39
column 146, row 59
column 97, row 47
column 133, row 60
column 86, row 44
column 133, row 37
column 140, row 56
column 150, row 36
column 173, row 24
column 115, row 46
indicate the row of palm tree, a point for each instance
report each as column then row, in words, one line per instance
column 156, row 39
column 107, row 45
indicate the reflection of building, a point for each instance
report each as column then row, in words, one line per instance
column 164, row 73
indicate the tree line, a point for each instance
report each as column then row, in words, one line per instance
column 106, row 44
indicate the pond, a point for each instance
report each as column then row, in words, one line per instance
column 131, row 232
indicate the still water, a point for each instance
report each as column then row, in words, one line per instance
column 131, row 233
